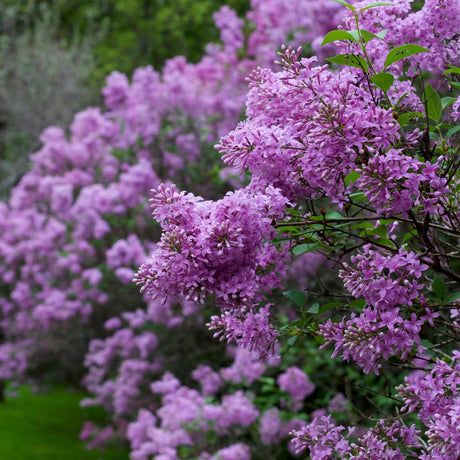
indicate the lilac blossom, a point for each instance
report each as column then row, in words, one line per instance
column 296, row 383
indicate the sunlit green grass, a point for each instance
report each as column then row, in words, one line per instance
column 46, row 426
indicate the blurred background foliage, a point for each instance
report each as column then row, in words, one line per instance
column 55, row 55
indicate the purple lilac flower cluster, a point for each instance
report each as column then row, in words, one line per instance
column 326, row 440
column 218, row 248
column 435, row 396
column 388, row 284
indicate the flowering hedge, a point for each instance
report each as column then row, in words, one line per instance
column 362, row 162
column 341, row 235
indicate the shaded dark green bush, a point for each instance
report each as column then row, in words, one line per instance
column 140, row 32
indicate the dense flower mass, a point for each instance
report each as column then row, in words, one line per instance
column 221, row 248
column 76, row 225
column 334, row 222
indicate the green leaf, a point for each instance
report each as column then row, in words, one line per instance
column 337, row 35
column 374, row 5
column 409, row 235
column 455, row 84
column 357, row 304
column 342, row 2
column 447, row 101
column 383, row 80
column 403, row 51
column 329, row 306
column 452, row 131
column 451, row 298
column 382, row 34
column 357, row 196
column 452, row 69
column 298, row 297
column 426, row 343
column 349, row 59
column 404, row 118
column 267, row 380
column 363, row 225
column 386, row 242
column 333, row 215
column 292, row 340
column 351, row 178
column 434, row 103
column 368, row 36
column 314, row 309
column 439, row 288
column 304, row 248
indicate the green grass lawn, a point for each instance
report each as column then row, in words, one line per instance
column 46, row 426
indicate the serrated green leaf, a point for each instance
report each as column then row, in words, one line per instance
column 374, row 5
column 349, row 59
column 351, row 178
column 342, row 2
column 298, row 297
column 452, row 131
column 357, row 304
column 403, row 51
column 304, row 248
column 433, row 103
column 338, row 35
column 383, row 80
column 439, row 288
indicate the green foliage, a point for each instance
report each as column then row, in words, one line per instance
column 298, row 297
column 383, row 80
column 139, row 32
column 336, row 35
column 349, row 59
column 403, row 51
column 433, row 103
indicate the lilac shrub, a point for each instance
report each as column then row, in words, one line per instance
column 76, row 226
column 351, row 164
column 364, row 152
column 190, row 423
